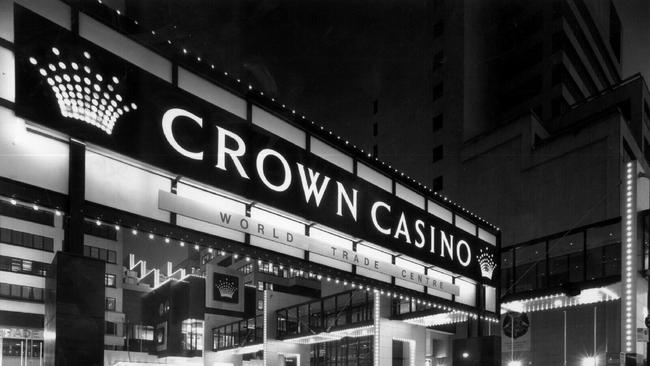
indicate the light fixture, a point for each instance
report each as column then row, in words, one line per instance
column 465, row 355
column 589, row 361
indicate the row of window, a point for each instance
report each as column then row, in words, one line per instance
column 101, row 231
column 106, row 255
column 27, row 240
column 19, row 292
column 19, row 265
column 26, row 213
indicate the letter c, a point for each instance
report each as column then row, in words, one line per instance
column 167, row 121
column 373, row 214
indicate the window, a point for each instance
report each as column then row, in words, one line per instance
column 246, row 269
column 375, row 106
column 106, row 255
column 566, row 262
column 375, row 150
column 19, row 265
column 27, row 213
column 260, row 304
column 19, row 292
column 437, row 153
column 101, row 231
column 375, row 128
column 437, row 91
column 530, row 267
column 109, row 280
column 603, row 251
column 110, row 304
column 437, row 184
column 437, row 123
column 438, row 29
column 26, row 240
column 111, row 328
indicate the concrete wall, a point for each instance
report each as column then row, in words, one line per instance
column 526, row 189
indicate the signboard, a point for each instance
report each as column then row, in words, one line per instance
column 73, row 86
column 515, row 332
column 213, row 215
column 225, row 288
column 21, row 333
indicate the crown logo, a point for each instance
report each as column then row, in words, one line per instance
column 83, row 94
column 226, row 288
column 486, row 263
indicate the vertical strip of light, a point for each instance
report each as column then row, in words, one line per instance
column 266, row 327
column 375, row 346
column 628, row 249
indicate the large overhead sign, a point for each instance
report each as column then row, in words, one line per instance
column 71, row 85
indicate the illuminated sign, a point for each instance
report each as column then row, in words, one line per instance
column 183, row 134
column 197, row 210
column 21, row 333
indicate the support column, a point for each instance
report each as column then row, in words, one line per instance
column 74, row 233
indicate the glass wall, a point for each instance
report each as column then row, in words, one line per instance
column 344, row 352
column 340, row 310
column 586, row 254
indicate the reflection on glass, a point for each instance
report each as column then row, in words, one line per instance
column 192, row 334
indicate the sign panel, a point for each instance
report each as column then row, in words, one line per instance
column 213, row 215
column 515, row 332
column 71, row 85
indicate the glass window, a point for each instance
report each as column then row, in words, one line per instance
column 103, row 254
column 110, row 303
column 109, row 280
column 5, row 289
column 15, row 290
column 112, row 256
column 111, row 328
column 26, row 266
column 530, row 267
column 603, row 251
column 566, row 260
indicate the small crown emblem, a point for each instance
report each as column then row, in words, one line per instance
column 486, row 263
column 226, row 288
column 82, row 94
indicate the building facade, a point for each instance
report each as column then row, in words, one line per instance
column 154, row 210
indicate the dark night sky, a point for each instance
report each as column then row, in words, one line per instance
column 329, row 59
column 319, row 57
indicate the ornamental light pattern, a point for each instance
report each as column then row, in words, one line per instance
column 83, row 93
column 486, row 263
column 226, row 288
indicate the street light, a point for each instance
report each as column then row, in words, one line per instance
column 589, row 361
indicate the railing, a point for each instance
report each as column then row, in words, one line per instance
column 238, row 334
column 335, row 311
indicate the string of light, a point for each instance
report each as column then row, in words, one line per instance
column 358, row 285
column 199, row 59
